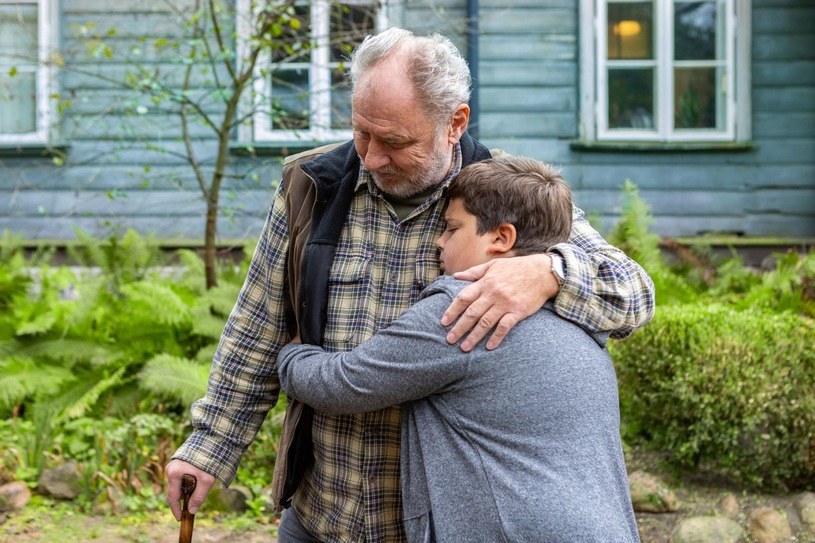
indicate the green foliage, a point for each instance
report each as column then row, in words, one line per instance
column 120, row 259
column 724, row 377
column 178, row 379
column 729, row 390
column 127, row 455
column 120, row 338
column 632, row 234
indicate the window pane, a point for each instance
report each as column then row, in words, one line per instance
column 290, row 99
column 695, row 30
column 340, row 100
column 696, row 95
column 630, row 30
column 292, row 42
column 18, row 54
column 631, row 98
column 18, row 33
column 349, row 26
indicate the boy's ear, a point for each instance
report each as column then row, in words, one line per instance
column 503, row 239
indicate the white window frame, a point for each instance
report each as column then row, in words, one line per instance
column 593, row 70
column 320, row 66
column 47, row 39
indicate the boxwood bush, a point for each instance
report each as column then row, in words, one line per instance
column 728, row 390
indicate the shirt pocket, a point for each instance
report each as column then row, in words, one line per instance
column 427, row 271
column 348, row 287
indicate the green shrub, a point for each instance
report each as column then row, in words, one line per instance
column 726, row 390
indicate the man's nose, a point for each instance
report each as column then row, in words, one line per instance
column 375, row 157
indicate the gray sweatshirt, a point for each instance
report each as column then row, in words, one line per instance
column 517, row 444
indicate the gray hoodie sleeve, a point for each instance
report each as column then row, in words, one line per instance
column 406, row 361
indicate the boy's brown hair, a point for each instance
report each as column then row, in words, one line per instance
column 529, row 194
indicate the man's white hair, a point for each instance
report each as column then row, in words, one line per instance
column 439, row 73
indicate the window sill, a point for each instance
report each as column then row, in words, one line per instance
column 661, row 147
column 275, row 148
column 33, row 150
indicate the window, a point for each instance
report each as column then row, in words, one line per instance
column 665, row 70
column 26, row 38
column 301, row 91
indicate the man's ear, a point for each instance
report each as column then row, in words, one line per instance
column 503, row 239
column 458, row 123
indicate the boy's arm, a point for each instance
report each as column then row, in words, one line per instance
column 408, row 360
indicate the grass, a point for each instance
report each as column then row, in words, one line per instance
column 48, row 521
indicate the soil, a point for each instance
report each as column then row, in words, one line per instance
column 57, row 523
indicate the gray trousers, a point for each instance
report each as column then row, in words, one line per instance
column 290, row 530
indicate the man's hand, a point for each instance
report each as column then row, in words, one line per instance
column 506, row 291
column 175, row 470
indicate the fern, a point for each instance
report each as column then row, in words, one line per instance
column 212, row 309
column 95, row 385
column 193, row 271
column 632, row 232
column 14, row 278
column 150, row 301
column 71, row 351
column 206, row 353
column 21, row 378
column 177, row 378
column 121, row 259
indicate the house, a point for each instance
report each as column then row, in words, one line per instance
column 707, row 105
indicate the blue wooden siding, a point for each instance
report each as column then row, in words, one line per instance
column 114, row 177
column 769, row 191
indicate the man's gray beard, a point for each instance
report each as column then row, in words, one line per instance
column 406, row 189
column 423, row 180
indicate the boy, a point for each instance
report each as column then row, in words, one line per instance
column 520, row 443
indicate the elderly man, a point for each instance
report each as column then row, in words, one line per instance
column 348, row 246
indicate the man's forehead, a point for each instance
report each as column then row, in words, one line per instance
column 386, row 130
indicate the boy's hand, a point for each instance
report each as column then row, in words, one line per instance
column 506, row 291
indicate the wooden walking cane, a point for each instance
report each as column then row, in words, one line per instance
column 188, row 483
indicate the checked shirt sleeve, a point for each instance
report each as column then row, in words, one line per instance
column 243, row 384
column 604, row 290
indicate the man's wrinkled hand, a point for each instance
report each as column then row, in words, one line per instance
column 505, row 291
column 175, row 470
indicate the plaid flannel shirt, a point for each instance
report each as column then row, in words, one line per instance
column 352, row 493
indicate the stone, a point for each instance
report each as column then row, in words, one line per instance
column 14, row 496
column 61, row 482
column 768, row 525
column 729, row 506
column 109, row 502
column 707, row 530
column 650, row 495
column 805, row 507
column 232, row 499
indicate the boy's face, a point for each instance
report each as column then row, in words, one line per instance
column 460, row 246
